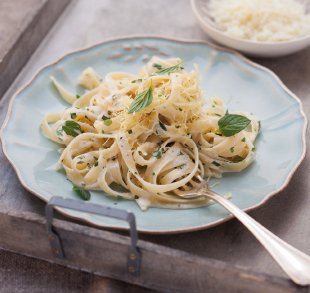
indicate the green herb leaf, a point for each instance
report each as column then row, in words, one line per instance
column 231, row 124
column 129, row 131
column 243, row 139
column 118, row 187
column 72, row 128
column 81, row 192
column 106, row 120
column 59, row 131
column 141, row 101
column 216, row 164
column 157, row 154
column 77, row 96
column 171, row 69
column 158, row 66
column 162, row 125
column 181, row 166
column 136, row 80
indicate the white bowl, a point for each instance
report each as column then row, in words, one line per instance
column 253, row 48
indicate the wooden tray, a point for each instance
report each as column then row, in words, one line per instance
column 222, row 259
column 23, row 25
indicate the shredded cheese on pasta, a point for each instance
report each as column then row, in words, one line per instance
column 154, row 153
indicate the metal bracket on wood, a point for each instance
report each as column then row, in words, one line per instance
column 134, row 255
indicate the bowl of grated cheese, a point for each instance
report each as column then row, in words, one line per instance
column 262, row 28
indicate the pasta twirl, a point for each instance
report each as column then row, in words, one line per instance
column 149, row 133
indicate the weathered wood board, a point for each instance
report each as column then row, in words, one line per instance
column 105, row 253
column 23, row 24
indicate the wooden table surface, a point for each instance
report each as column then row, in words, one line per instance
column 86, row 22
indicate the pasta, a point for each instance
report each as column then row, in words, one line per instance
column 145, row 137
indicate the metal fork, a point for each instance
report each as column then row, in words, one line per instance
column 294, row 262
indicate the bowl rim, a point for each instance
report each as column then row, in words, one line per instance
column 180, row 41
column 212, row 28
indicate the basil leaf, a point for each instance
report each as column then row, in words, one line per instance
column 72, row 128
column 81, row 192
column 230, row 124
column 141, row 101
column 171, row 69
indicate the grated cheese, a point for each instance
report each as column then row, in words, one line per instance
column 261, row 20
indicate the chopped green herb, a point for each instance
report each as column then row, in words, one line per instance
column 96, row 164
column 157, row 154
column 129, row 131
column 157, row 66
column 118, row 187
column 72, row 128
column 232, row 149
column 59, row 131
column 218, row 115
column 107, row 122
column 153, row 173
column 81, row 192
column 253, row 149
column 216, row 164
column 73, row 115
column 230, row 124
column 77, row 96
column 171, row 69
column 141, row 101
column 136, row 80
column 243, row 139
column 162, row 125
column 140, row 153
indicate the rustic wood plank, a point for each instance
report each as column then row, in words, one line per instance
column 105, row 253
column 34, row 275
column 23, row 24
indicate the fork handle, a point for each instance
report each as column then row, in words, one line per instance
column 294, row 262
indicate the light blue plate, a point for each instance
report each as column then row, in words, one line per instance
column 242, row 84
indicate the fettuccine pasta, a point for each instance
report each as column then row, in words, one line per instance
column 149, row 134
